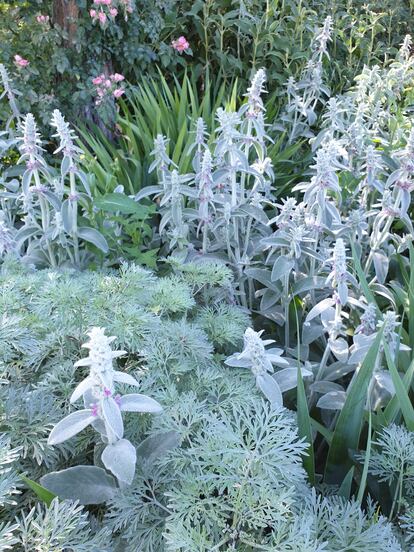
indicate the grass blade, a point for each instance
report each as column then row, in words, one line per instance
column 349, row 425
column 400, row 391
column 364, row 476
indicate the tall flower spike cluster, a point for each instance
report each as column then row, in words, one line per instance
column 51, row 234
column 232, row 178
column 104, row 406
column 30, row 146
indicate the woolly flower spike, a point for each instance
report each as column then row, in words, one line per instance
column 327, row 163
column 5, row 79
column 260, row 361
column 8, row 90
column 206, row 178
column 100, row 360
column 30, row 139
column 368, row 323
column 339, row 275
column 405, row 50
column 228, row 121
column 201, row 131
column 205, row 189
column 324, row 35
column 254, row 92
column 390, row 323
column 160, row 155
column 66, row 136
column 373, row 166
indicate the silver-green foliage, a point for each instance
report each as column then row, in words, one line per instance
column 220, row 468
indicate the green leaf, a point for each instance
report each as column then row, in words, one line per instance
column 157, row 445
column 363, row 482
column 393, row 407
column 361, row 276
column 324, row 431
column 88, row 484
column 304, row 427
column 303, row 418
column 345, row 488
column 349, row 425
column 119, row 202
column 410, row 290
column 42, row 493
column 400, row 391
column 93, row 236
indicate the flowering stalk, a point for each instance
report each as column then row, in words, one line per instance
column 69, row 165
column 32, row 153
column 260, row 361
column 10, row 93
column 300, row 112
column 104, row 406
column 205, row 198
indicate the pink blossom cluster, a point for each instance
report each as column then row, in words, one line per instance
column 108, row 85
column 42, row 19
column 20, row 62
column 105, row 11
column 181, row 44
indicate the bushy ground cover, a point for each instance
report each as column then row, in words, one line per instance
column 207, row 300
column 218, row 467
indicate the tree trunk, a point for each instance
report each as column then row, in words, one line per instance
column 65, row 14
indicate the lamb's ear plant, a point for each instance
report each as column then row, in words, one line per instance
column 218, row 210
column 10, row 92
column 305, row 96
column 103, row 410
column 51, row 231
column 260, row 361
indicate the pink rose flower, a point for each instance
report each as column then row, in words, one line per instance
column 118, row 92
column 92, row 13
column 97, row 80
column 106, row 2
column 21, row 62
column 102, row 17
column 117, row 77
column 113, row 12
column 42, row 19
column 107, row 83
column 181, row 44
